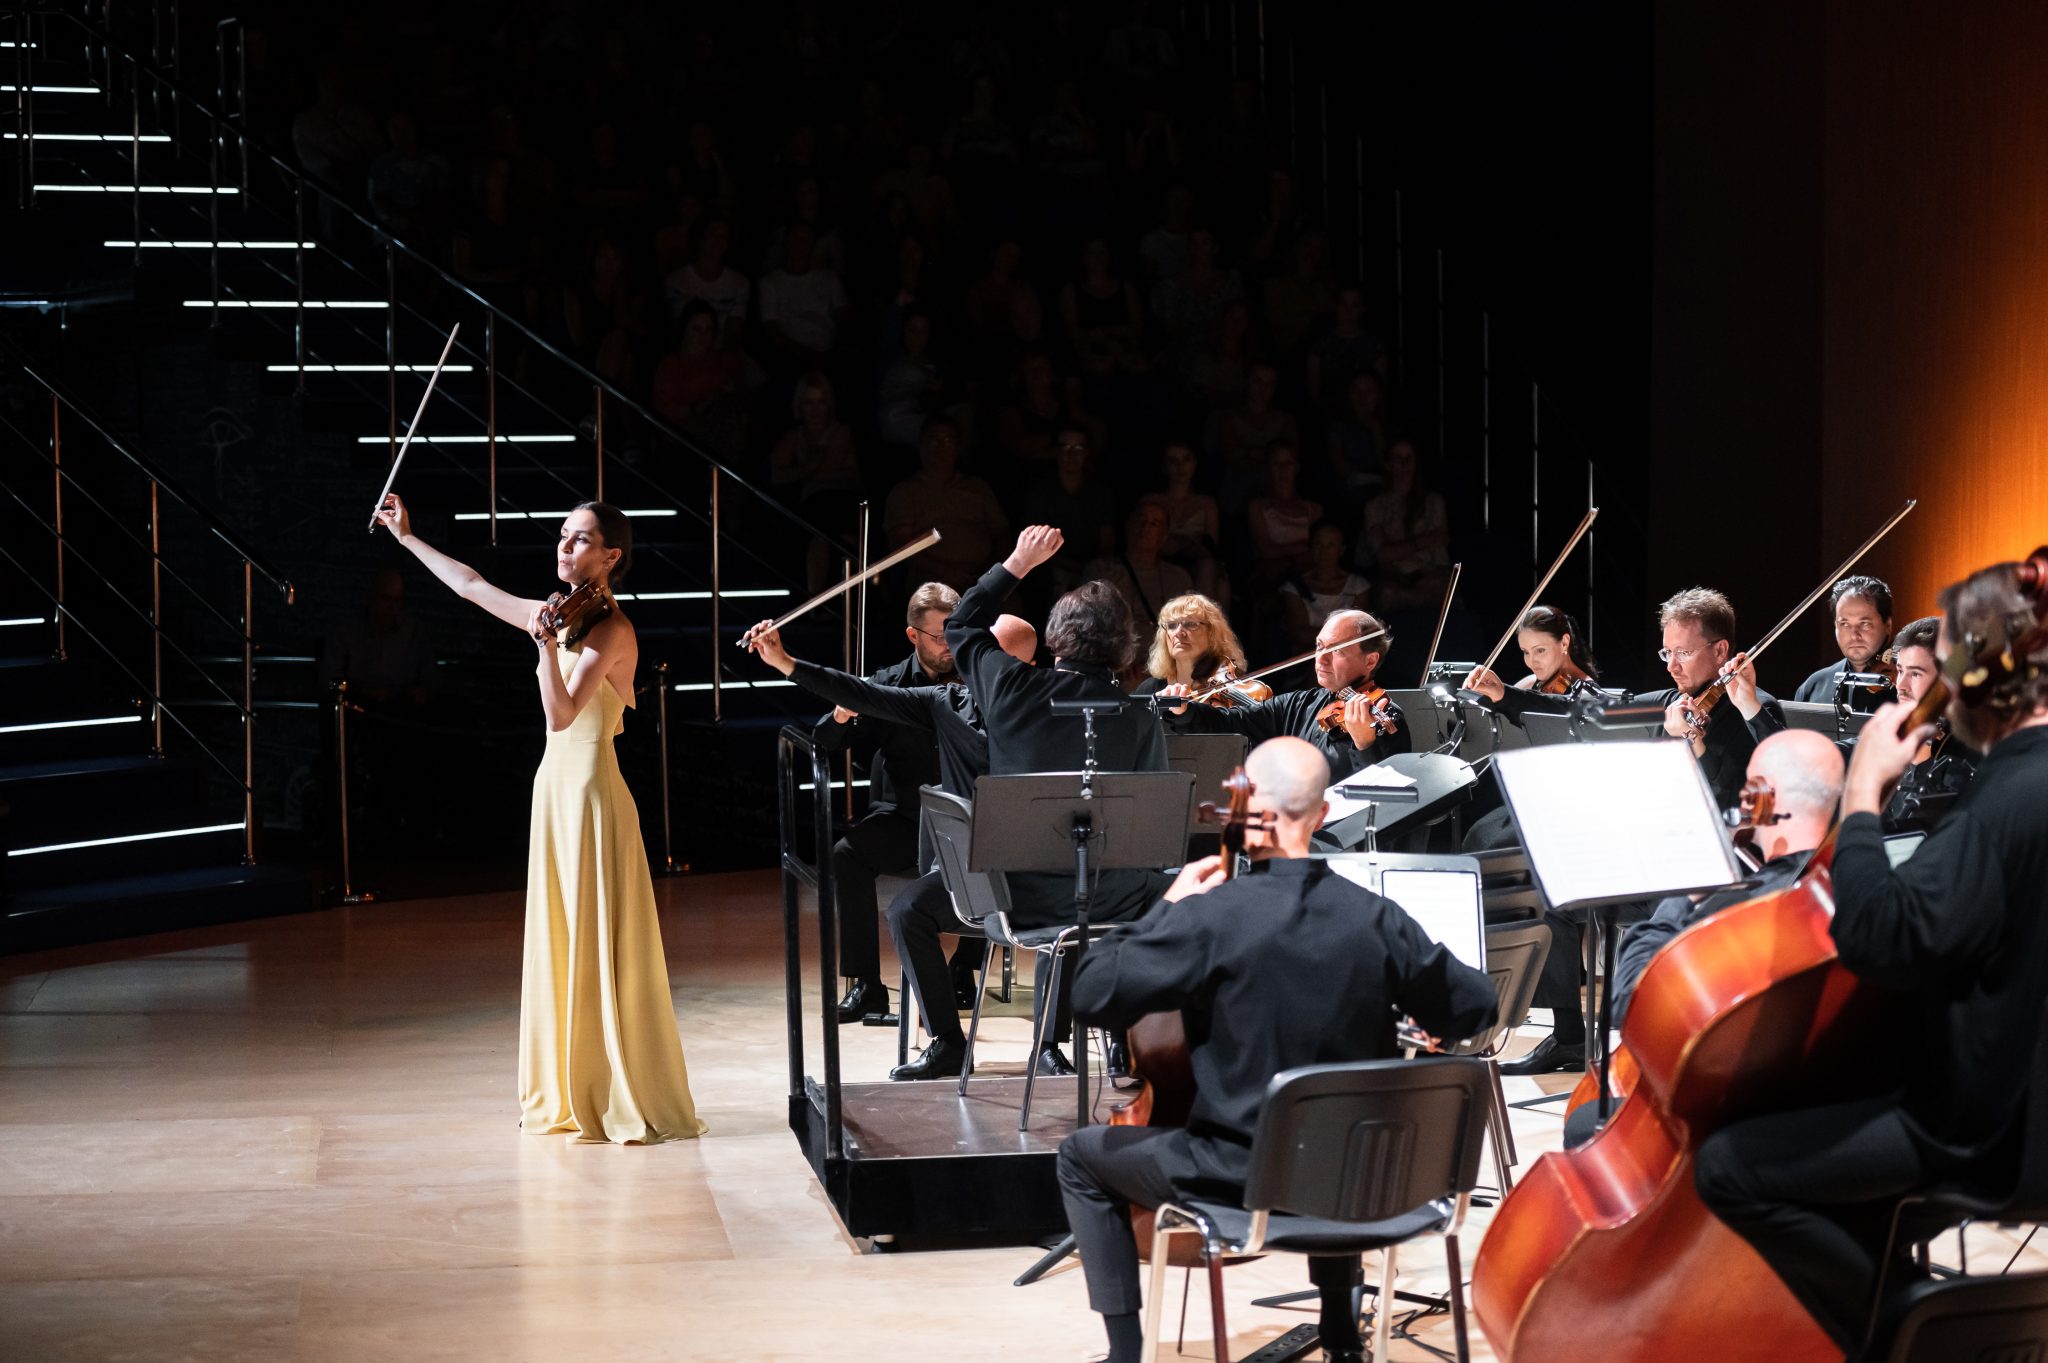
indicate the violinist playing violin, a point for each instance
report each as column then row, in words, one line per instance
column 1195, row 646
column 1288, row 965
column 1345, row 715
column 1863, row 629
column 1555, row 652
column 1699, row 631
column 1960, row 931
column 1942, row 768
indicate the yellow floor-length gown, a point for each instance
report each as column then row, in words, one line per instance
column 599, row 1054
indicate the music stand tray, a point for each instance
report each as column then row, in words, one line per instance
column 1441, row 782
column 1823, row 719
column 1040, row 822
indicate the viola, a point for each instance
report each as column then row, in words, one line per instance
column 1384, row 720
column 1158, row 1042
column 1226, row 690
column 571, row 616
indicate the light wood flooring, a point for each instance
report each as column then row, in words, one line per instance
column 297, row 1140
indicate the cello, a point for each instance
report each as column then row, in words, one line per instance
column 1746, row 1012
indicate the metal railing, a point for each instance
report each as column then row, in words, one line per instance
column 793, row 745
column 67, row 413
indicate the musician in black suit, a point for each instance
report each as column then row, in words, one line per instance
column 1289, row 965
column 884, row 840
column 1863, row 627
column 1960, row 931
column 1346, row 747
column 1089, row 633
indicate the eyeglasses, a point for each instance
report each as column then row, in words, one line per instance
column 929, row 635
column 1683, row 655
column 1185, row 626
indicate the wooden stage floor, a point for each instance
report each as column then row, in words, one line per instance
column 297, row 1140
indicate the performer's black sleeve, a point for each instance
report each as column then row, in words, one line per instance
column 908, row 705
column 1938, row 915
column 1643, row 940
column 1157, row 963
column 1447, row 998
column 970, row 633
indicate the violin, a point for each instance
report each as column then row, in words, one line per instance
column 1226, row 689
column 1158, row 1042
column 1384, row 720
column 571, row 616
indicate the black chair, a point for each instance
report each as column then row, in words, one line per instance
column 1967, row 1320
column 1514, row 962
column 2022, row 1200
column 1346, row 1159
column 981, row 901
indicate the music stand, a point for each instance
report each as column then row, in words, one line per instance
column 1080, row 821
column 1209, row 758
column 1441, row 782
column 1663, row 836
column 1838, row 722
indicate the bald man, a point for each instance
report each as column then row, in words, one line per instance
column 1288, row 965
column 1804, row 770
column 1352, row 744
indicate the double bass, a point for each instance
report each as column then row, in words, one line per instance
column 1746, row 1012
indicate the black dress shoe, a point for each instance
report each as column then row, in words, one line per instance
column 1548, row 1057
column 867, row 996
column 1052, row 1060
column 1117, row 1061
column 940, row 1060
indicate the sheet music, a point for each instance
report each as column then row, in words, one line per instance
column 1343, row 806
column 1444, row 904
column 1606, row 821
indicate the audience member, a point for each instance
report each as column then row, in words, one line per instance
column 1280, row 518
column 802, row 303
column 1194, row 532
column 961, row 507
column 816, row 458
column 1325, row 586
column 700, row 387
column 1144, row 579
column 708, row 277
column 1081, row 506
column 1164, row 249
column 1345, row 351
column 1300, row 300
column 1408, row 533
column 1187, row 305
column 1240, row 437
column 409, row 187
column 912, row 387
column 1103, row 322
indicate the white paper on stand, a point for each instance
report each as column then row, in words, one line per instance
column 1343, row 806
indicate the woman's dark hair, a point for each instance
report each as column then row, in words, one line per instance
column 617, row 532
column 1554, row 622
column 1092, row 625
column 2004, row 676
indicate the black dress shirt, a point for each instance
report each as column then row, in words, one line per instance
column 946, row 713
column 1819, row 689
column 1293, row 714
column 904, row 757
column 1962, row 928
column 1730, row 740
column 1289, row 965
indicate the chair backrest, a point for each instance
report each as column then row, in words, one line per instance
column 1514, row 962
column 1968, row 1320
column 975, row 894
column 1369, row 1140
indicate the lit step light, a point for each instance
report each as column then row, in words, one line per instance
column 134, row 189
column 808, row 785
column 90, row 137
column 285, row 303
column 130, row 837
column 208, row 245
column 733, row 685
column 539, row 515
column 11, row 44
column 69, row 724
column 52, row 89
column 24, row 620
column 701, row 596
column 366, row 368
column 478, row 440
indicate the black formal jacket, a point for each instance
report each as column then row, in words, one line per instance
column 947, row 713
column 1819, row 689
column 1962, row 928
column 1290, row 964
column 1678, row 912
column 1024, row 735
column 1730, row 740
column 1292, row 714
column 1928, row 789
column 904, row 757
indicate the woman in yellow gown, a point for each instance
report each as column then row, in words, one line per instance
column 599, row 1054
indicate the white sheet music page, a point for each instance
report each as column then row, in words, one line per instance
column 1606, row 821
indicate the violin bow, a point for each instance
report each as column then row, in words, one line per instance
column 1309, row 656
column 1443, row 613
column 1829, row 581
column 1592, row 514
column 419, row 412
column 876, row 569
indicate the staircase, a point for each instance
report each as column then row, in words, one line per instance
column 235, row 301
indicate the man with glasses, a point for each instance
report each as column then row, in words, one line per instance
column 884, row 841
column 1863, row 628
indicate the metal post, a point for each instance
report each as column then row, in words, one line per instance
column 342, row 705
column 491, row 420
column 846, row 662
column 391, row 348
column 1536, row 478
column 25, row 101
column 1442, row 317
column 248, row 713
column 135, row 161
column 212, row 215
column 717, row 696
column 242, row 97
column 299, row 281
column 57, row 469
column 1590, row 501
column 860, row 601
column 599, row 387
column 156, row 626
column 1486, row 421
column 668, row 851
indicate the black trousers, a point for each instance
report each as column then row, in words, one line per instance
column 918, row 915
column 1563, row 971
column 1104, row 1171
column 1813, row 1191
column 883, row 843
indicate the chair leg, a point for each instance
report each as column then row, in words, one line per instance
column 973, row 1025
column 903, row 1022
column 1039, row 1031
column 1155, row 1293
column 1383, row 1309
column 1503, row 1144
column 1009, row 973
column 1500, row 1103
column 1458, row 1329
column 1213, row 1254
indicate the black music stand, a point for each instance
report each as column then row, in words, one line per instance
column 1441, row 783
column 1081, row 822
column 1209, row 758
column 1665, row 836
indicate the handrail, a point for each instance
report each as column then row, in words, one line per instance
column 790, row 741
column 156, row 475
column 226, row 124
